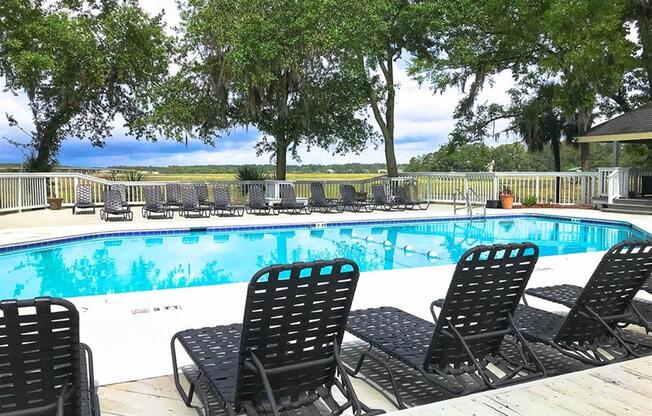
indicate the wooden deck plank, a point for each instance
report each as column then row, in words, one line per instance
column 610, row 399
column 620, row 389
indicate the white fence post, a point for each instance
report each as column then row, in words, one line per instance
column 20, row 194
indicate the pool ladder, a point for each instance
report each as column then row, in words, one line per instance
column 468, row 205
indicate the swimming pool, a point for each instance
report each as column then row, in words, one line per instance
column 129, row 262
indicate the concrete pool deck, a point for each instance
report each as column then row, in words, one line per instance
column 134, row 329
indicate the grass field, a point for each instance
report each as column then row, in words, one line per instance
column 291, row 176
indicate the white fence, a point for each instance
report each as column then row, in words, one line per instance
column 569, row 188
column 19, row 191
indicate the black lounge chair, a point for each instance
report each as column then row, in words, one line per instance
column 154, row 204
column 122, row 189
column 190, row 203
column 382, row 201
column 114, row 206
column 289, row 201
column 318, row 200
column 45, row 369
column 285, row 354
column 83, row 199
column 350, row 200
column 222, row 202
column 257, row 202
column 591, row 331
column 173, row 196
column 461, row 351
column 404, row 199
column 202, row 196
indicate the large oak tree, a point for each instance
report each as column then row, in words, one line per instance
column 80, row 65
column 267, row 64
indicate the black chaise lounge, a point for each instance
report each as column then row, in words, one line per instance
column 83, row 199
column 44, row 368
column 173, row 196
column 190, row 203
column 122, row 189
column 154, row 204
column 461, row 352
column 350, row 200
column 591, row 331
column 114, row 206
column 382, row 201
column 402, row 198
column 257, row 202
column 284, row 357
column 202, row 196
column 318, row 200
column 222, row 202
column 289, row 201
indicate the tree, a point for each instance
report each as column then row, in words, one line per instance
column 80, row 64
column 374, row 35
column 564, row 71
column 267, row 65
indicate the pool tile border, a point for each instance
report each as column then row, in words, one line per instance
column 8, row 248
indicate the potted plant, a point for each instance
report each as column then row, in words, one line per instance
column 506, row 198
column 55, row 203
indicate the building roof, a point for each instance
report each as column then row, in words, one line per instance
column 635, row 125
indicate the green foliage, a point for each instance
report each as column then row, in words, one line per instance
column 264, row 64
column 80, row 64
column 529, row 201
column 133, row 176
column 251, row 173
column 511, row 157
column 571, row 62
column 506, row 190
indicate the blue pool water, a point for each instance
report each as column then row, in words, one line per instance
column 153, row 262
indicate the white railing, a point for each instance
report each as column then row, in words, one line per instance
column 570, row 188
column 618, row 182
column 20, row 191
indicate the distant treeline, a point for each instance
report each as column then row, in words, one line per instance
column 206, row 169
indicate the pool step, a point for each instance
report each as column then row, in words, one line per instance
column 637, row 206
column 627, row 210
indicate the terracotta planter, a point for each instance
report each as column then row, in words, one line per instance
column 55, row 203
column 507, row 201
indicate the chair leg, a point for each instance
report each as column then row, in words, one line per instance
column 187, row 398
column 392, row 379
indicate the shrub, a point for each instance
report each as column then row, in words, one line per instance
column 133, row 176
column 506, row 190
column 251, row 173
column 529, row 201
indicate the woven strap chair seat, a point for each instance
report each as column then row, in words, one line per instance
column 215, row 353
column 567, row 295
column 394, row 332
column 537, row 325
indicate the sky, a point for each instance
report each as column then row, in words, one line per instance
column 423, row 122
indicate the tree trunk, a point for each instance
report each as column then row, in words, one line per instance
column 643, row 16
column 45, row 153
column 386, row 123
column 585, row 152
column 557, row 157
column 281, row 160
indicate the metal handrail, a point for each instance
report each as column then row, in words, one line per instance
column 468, row 205
column 484, row 204
column 466, row 202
